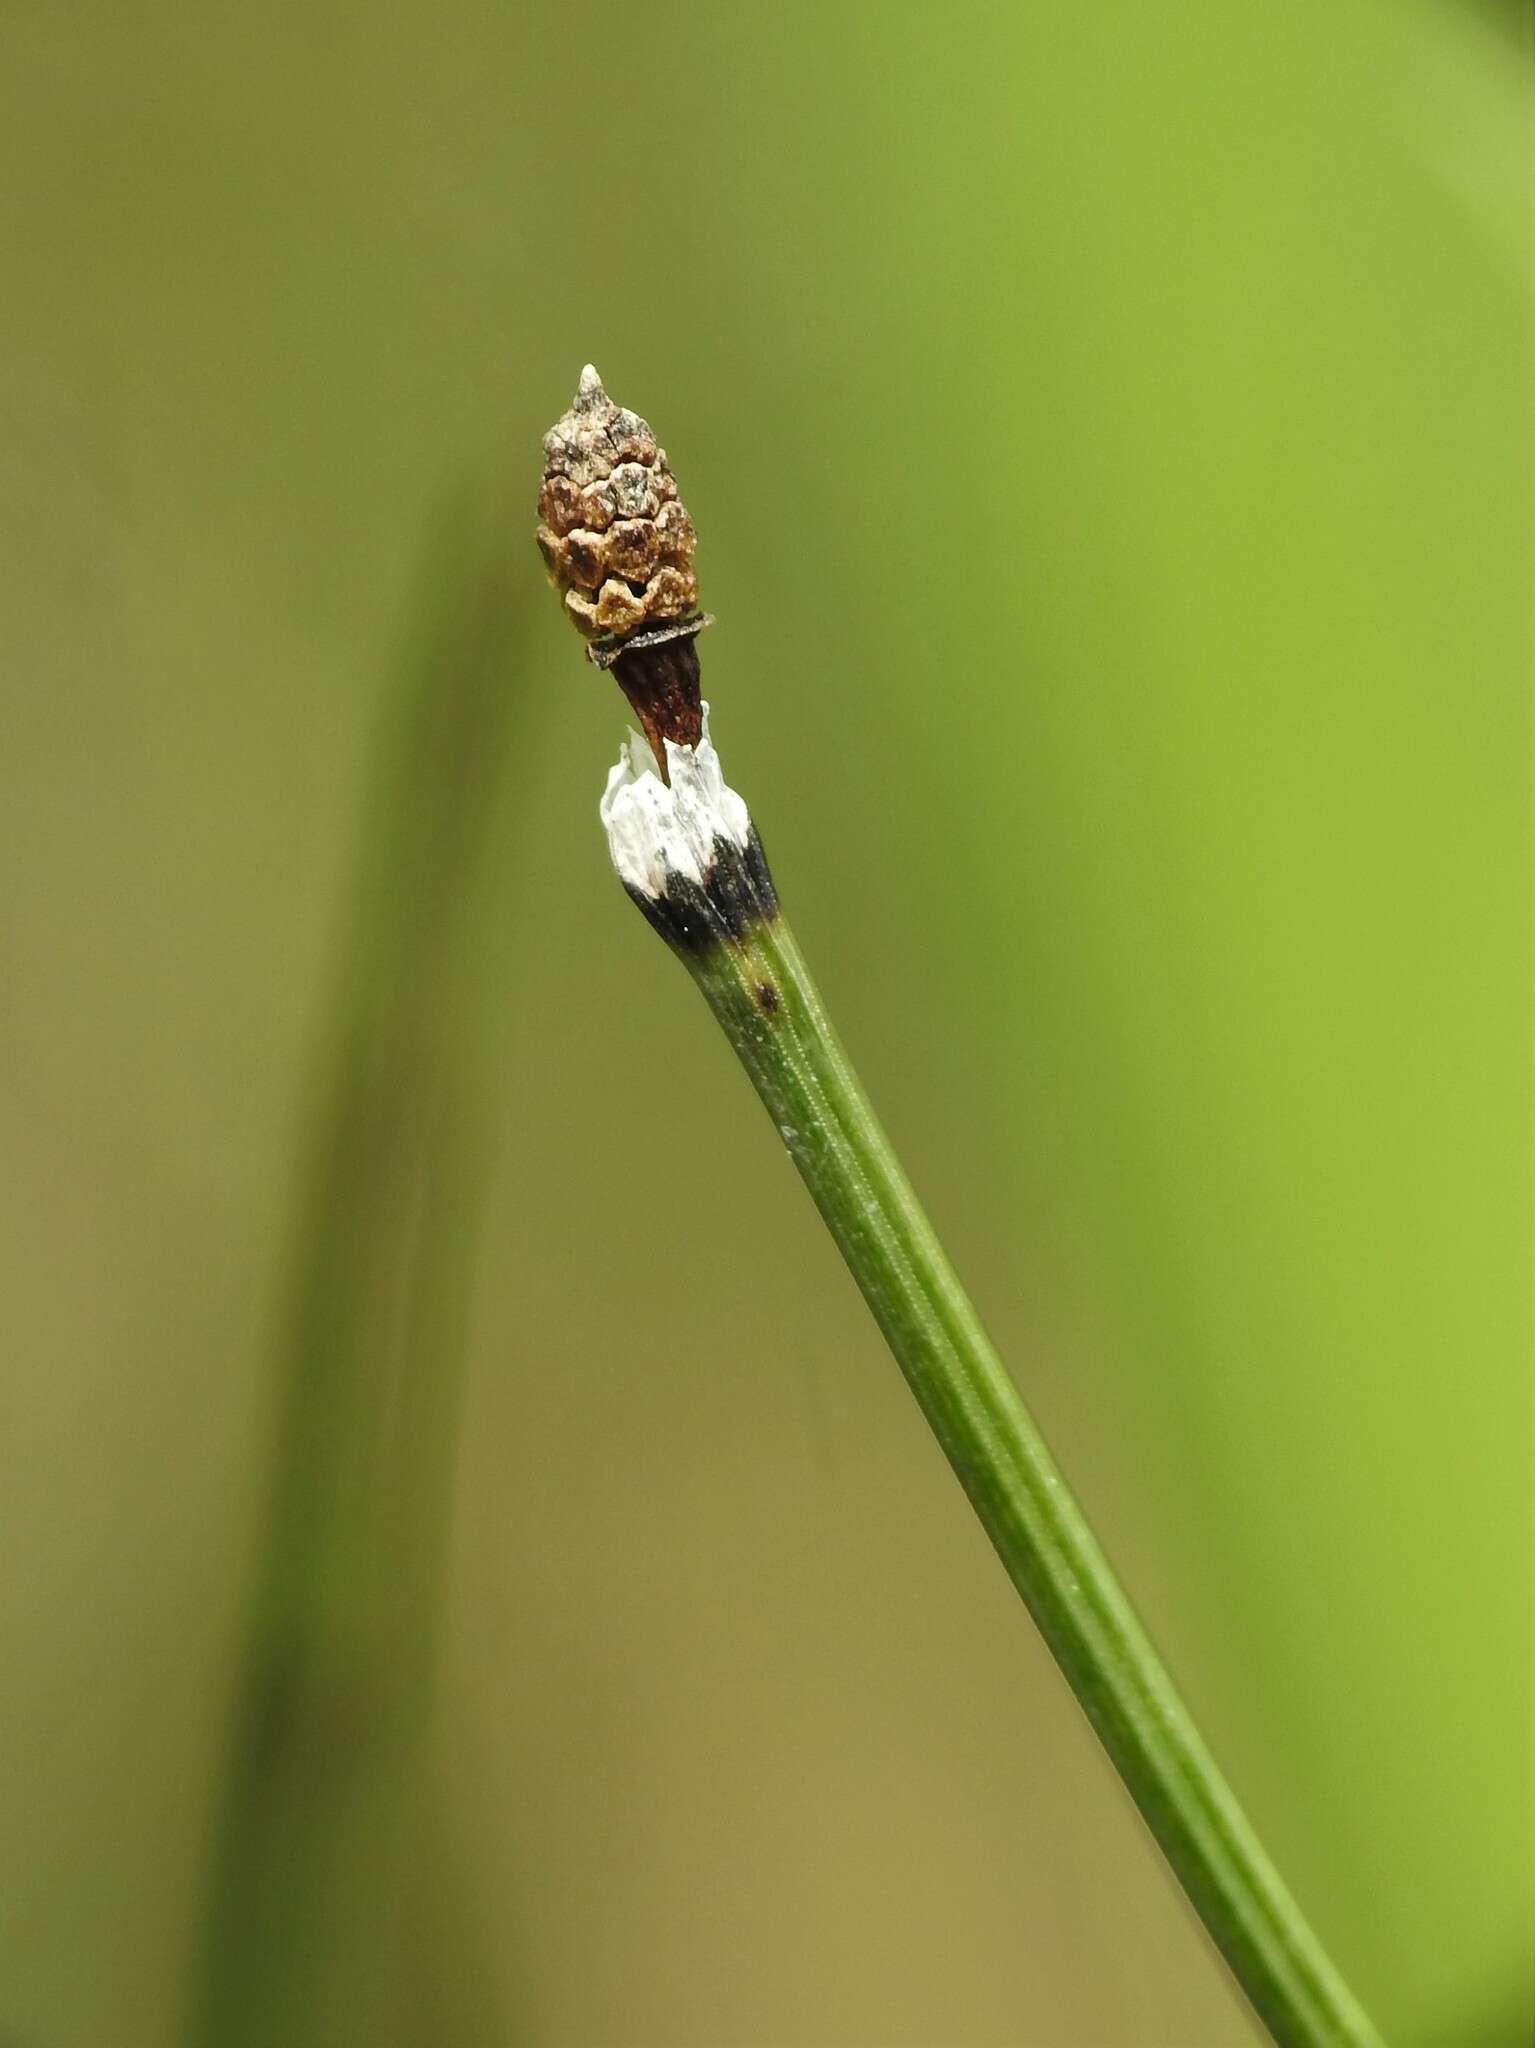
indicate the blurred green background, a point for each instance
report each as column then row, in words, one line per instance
column 1110, row 433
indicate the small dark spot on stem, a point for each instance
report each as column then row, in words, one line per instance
column 767, row 995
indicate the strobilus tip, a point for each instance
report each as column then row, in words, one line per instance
column 618, row 546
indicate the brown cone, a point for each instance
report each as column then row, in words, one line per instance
column 615, row 537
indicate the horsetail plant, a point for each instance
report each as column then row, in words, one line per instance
column 619, row 549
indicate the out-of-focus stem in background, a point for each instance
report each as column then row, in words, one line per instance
column 319, row 1825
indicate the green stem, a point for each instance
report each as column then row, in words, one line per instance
column 761, row 992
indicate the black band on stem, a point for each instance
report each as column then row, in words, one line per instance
column 736, row 893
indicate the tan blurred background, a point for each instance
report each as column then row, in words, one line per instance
column 1110, row 434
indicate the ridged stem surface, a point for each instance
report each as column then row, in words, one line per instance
column 759, row 988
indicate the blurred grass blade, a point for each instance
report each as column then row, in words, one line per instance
column 316, row 1827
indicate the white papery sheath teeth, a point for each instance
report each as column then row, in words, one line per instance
column 655, row 829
